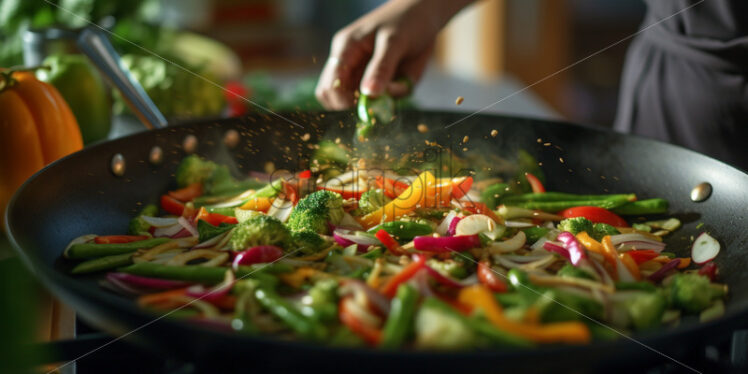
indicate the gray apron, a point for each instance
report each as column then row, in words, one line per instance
column 685, row 80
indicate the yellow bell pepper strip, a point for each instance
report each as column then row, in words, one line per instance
column 684, row 262
column 588, row 242
column 298, row 277
column 479, row 296
column 412, row 198
column 611, row 256
column 260, row 204
column 631, row 265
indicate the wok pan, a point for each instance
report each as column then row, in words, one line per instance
column 100, row 188
column 80, row 194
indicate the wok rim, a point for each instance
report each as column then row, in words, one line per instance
column 60, row 284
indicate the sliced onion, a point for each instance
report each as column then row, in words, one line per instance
column 280, row 209
column 122, row 288
column 446, row 243
column 444, row 225
column 160, row 221
column 216, row 293
column 358, row 289
column 79, row 240
column 510, row 245
column 641, row 245
column 620, row 238
column 212, row 241
column 168, row 231
column 452, row 230
column 188, row 226
column 705, row 248
column 257, row 255
column 348, row 222
column 138, row 282
column 421, row 280
column 346, row 238
column 658, row 275
column 556, row 247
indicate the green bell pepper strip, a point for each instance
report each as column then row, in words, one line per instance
column 91, row 250
column 533, row 234
column 493, row 194
column 102, row 263
column 403, row 230
column 562, row 196
column 284, row 311
column 479, row 326
column 641, row 207
column 400, row 321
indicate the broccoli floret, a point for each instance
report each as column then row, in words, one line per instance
column 436, row 327
column 372, row 200
column 576, row 225
column 216, row 179
column 307, row 242
column 600, row 230
column 645, row 309
column 260, row 230
column 138, row 226
column 313, row 212
column 692, row 292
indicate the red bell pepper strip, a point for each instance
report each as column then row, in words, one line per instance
column 118, row 239
column 642, row 255
column 389, row 242
column 235, row 91
column 595, row 214
column 188, row 193
column 172, row 205
column 535, row 183
column 290, row 191
column 461, row 186
column 390, row 288
column 347, row 193
column 489, row 278
column 369, row 334
column 214, row 219
column 392, row 188
column 306, row 174
column 709, row 270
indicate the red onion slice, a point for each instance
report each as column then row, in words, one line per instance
column 658, row 275
column 453, row 226
column 145, row 282
column 188, row 226
column 216, row 293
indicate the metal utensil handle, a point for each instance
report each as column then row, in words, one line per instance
column 101, row 53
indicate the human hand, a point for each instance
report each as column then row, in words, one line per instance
column 393, row 41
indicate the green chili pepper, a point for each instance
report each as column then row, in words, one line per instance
column 493, row 194
column 284, row 311
column 189, row 273
column 102, row 263
column 557, row 206
column 400, row 321
column 403, row 230
column 649, row 206
column 91, row 250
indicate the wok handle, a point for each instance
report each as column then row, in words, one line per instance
column 101, row 53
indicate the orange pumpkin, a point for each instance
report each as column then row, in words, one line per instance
column 36, row 128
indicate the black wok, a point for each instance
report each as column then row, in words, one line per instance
column 79, row 194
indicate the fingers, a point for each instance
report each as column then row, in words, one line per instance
column 388, row 51
column 342, row 71
column 408, row 73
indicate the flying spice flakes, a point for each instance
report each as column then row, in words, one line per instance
column 422, row 128
column 494, row 133
column 459, row 100
column 465, row 139
column 305, row 137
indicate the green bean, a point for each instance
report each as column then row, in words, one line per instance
column 404, row 230
column 284, row 311
column 562, row 196
column 91, row 250
column 649, row 206
column 188, row 273
column 102, row 263
column 243, row 313
column 557, row 206
column 400, row 321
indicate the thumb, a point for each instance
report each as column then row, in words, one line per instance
column 383, row 64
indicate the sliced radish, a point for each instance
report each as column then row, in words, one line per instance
column 705, row 248
column 480, row 224
column 280, row 209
